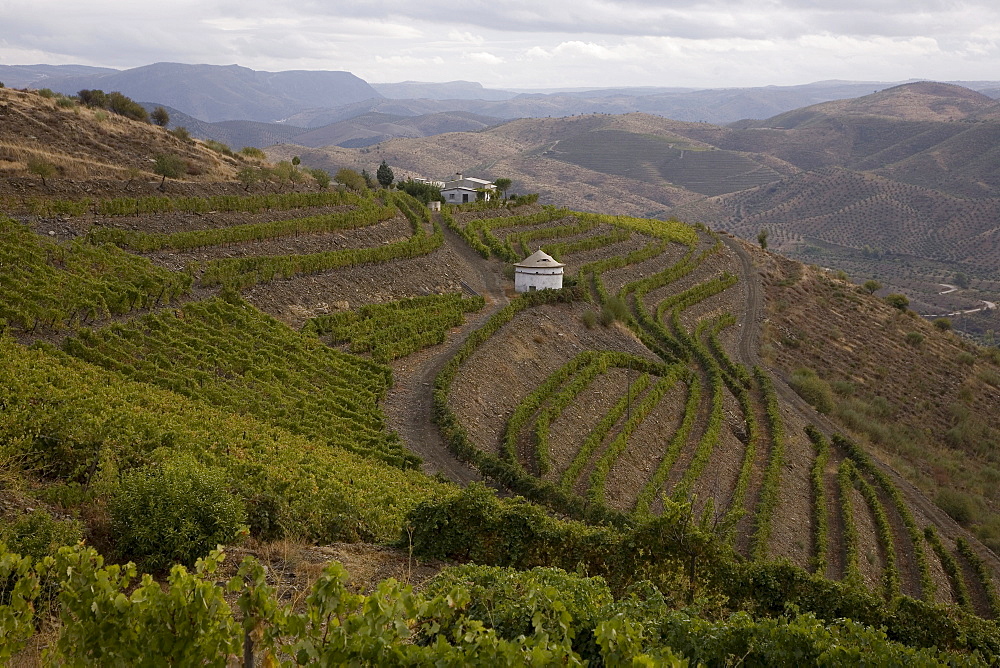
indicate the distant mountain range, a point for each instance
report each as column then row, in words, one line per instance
column 212, row 100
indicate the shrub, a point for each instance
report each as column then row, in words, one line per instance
column 321, row 177
column 168, row 165
column 813, row 389
column 42, row 169
column 174, row 513
column 872, row 286
column 957, row 504
column 65, row 102
column 990, row 377
column 46, row 93
column 618, row 308
column 37, row 534
column 607, row 317
column 181, row 133
column 219, row 147
column 425, row 192
column 248, row 176
column 914, row 338
column 351, row 179
column 966, row 358
column 511, row 602
column 92, row 98
column 126, row 106
column 898, row 301
column 944, row 324
column 589, row 319
column 253, row 152
column 160, row 116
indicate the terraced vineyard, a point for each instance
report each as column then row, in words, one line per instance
column 211, row 356
column 655, row 405
column 634, row 391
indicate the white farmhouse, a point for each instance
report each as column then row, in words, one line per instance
column 538, row 271
column 462, row 190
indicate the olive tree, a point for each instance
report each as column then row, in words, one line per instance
column 160, row 116
column 168, row 165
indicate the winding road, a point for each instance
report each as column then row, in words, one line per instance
column 409, row 405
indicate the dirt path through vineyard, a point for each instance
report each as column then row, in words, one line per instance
column 409, row 405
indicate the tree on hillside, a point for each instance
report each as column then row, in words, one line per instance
column 425, row 192
column 762, row 238
column 961, row 280
column 321, row 177
column 41, row 168
column 93, row 98
column 503, row 184
column 126, row 106
column 133, row 173
column 168, row 165
column 384, row 175
column 369, row 181
column 248, row 176
column 872, row 286
column 897, row 300
column 296, row 161
column 283, row 172
column 160, row 116
column 351, row 179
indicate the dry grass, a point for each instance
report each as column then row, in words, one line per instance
column 84, row 144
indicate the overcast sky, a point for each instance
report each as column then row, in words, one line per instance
column 525, row 44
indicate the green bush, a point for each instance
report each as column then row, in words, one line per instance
column 990, row 376
column 914, row 338
column 966, row 358
column 218, row 147
column 253, row 152
column 899, row 301
column 944, row 324
column 957, row 504
column 37, row 534
column 813, row 389
column 607, row 317
column 174, row 513
column 513, row 602
column 589, row 319
column 181, row 133
column 126, row 106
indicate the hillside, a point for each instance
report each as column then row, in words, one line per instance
column 220, row 93
column 900, row 186
column 87, row 144
column 325, row 365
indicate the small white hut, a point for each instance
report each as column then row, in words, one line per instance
column 538, row 271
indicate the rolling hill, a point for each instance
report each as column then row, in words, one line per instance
column 716, row 431
column 219, row 93
column 899, row 186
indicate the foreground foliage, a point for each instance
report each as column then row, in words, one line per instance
column 470, row 615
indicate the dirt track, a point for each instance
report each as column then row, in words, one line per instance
column 409, row 404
